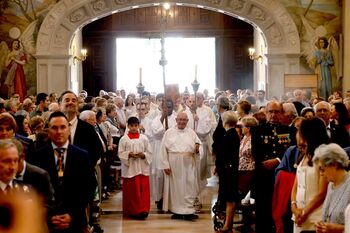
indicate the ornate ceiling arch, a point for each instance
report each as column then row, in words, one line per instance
column 68, row 16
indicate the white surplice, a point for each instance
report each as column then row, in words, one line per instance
column 134, row 166
column 157, row 176
column 181, row 186
column 202, row 127
column 147, row 125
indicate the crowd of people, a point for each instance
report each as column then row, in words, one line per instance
column 289, row 154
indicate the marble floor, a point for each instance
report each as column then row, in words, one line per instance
column 112, row 220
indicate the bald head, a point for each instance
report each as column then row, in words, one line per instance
column 181, row 120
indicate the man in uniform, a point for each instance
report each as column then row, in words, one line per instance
column 269, row 142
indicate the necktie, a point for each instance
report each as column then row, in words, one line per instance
column 60, row 165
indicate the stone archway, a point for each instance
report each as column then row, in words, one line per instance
column 67, row 16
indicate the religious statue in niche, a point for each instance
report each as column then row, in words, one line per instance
column 324, row 65
column 12, row 61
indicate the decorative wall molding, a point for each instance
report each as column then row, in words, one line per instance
column 68, row 16
column 269, row 15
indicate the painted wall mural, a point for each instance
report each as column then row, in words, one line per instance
column 320, row 19
column 19, row 24
column 21, row 19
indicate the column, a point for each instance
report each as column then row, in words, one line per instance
column 53, row 73
column 278, row 65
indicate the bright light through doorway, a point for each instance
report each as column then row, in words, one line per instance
column 183, row 54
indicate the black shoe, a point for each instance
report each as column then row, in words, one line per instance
column 97, row 228
column 105, row 196
column 177, row 216
column 141, row 216
column 144, row 215
column 190, row 217
column 160, row 204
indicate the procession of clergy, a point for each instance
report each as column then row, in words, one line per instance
column 71, row 150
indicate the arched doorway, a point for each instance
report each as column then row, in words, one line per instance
column 54, row 58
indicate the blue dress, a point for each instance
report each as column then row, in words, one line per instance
column 324, row 59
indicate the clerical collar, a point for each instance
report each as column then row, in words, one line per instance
column 3, row 185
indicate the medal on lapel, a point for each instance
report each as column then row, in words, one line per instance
column 60, row 173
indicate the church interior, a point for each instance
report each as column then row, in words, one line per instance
column 183, row 50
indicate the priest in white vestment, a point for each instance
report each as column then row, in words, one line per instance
column 179, row 149
column 201, row 120
column 158, row 129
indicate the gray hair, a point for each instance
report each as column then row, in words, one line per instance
column 249, row 121
column 223, row 102
column 328, row 105
column 84, row 115
column 289, row 109
column 329, row 154
column 8, row 143
column 230, row 118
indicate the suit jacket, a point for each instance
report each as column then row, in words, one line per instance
column 218, row 136
column 39, row 179
column 17, row 186
column 339, row 134
column 28, row 147
column 74, row 190
column 86, row 138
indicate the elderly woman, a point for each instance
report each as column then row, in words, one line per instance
column 226, row 163
column 333, row 161
column 307, row 112
column 246, row 160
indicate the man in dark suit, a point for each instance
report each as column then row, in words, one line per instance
column 82, row 135
column 14, row 197
column 337, row 133
column 8, row 165
column 222, row 105
column 71, row 177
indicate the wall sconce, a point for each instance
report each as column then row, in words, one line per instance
column 166, row 6
column 253, row 55
column 81, row 57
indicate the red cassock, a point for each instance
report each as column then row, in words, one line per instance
column 136, row 195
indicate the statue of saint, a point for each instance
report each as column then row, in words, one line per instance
column 324, row 61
